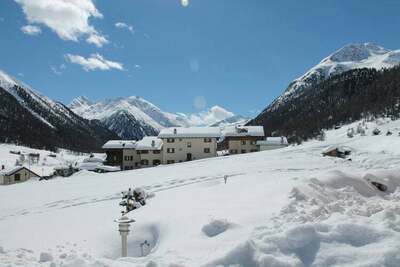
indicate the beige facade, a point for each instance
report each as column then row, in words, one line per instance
column 18, row 175
column 130, row 159
column 242, row 145
column 150, row 158
column 182, row 149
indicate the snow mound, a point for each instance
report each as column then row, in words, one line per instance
column 338, row 219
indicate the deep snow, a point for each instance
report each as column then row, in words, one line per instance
column 288, row 207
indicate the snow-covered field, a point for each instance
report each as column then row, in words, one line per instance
column 47, row 161
column 288, row 207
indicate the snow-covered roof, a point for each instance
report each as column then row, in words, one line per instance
column 116, row 144
column 12, row 170
column 274, row 141
column 232, row 131
column 149, row 143
column 207, row 132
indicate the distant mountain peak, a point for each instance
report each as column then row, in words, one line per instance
column 357, row 52
column 79, row 102
column 349, row 57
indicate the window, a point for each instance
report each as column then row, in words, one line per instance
column 244, row 142
column 126, row 168
column 136, row 164
column 243, row 151
column 131, row 158
column 207, row 140
column 156, row 162
column 253, row 150
column 170, row 140
column 156, row 151
column 206, row 150
column 144, row 152
column 170, row 161
column 144, row 162
column 253, row 142
column 189, row 144
column 170, row 150
column 233, row 151
column 180, row 139
column 17, row 177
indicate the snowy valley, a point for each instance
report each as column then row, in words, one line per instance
column 287, row 207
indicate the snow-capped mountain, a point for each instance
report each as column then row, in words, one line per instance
column 346, row 86
column 349, row 57
column 28, row 117
column 134, row 117
column 234, row 120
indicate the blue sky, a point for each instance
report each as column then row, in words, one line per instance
column 233, row 53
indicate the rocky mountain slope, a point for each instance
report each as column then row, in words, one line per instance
column 288, row 114
column 134, row 117
column 29, row 118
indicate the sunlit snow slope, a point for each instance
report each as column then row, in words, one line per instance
column 288, row 207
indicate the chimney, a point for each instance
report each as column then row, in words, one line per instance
column 175, row 131
column 153, row 143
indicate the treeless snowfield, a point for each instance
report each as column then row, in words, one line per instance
column 288, row 207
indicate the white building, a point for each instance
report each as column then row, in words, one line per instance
column 186, row 144
column 271, row 143
column 150, row 151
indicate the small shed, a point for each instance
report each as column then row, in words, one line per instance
column 339, row 152
column 15, row 175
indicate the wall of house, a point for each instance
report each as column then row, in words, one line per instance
column 130, row 159
column 182, row 149
column 1, row 179
column 24, row 175
column 151, row 156
column 241, row 145
column 114, row 157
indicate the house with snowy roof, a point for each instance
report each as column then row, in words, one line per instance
column 241, row 139
column 149, row 150
column 185, row 144
column 122, row 153
column 14, row 175
column 271, row 143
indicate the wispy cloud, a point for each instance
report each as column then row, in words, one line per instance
column 31, row 30
column 58, row 70
column 68, row 19
column 123, row 25
column 94, row 62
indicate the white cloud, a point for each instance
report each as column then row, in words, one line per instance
column 123, row 25
column 69, row 19
column 209, row 117
column 97, row 39
column 94, row 62
column 58, row 70
column 31, row 30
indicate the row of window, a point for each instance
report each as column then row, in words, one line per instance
column 172, row 140
column 172, row 150
column 243, row 151
column 252, row 142
column 143, row 162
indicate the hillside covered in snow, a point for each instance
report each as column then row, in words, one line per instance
column 29, row 118
column 358, row 81
column 289, row 207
